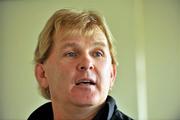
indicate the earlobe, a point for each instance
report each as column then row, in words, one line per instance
column 40, row 75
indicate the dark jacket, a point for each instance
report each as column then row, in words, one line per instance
column 108, row 112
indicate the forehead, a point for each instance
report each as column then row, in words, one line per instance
column 63, row 36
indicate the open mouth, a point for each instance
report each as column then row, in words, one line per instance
column 85, row 82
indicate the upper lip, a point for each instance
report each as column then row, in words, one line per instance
column 85, row 80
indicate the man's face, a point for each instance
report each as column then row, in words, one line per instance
column 79, row 70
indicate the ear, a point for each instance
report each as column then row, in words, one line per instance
column 40, row 75
column 113, row 75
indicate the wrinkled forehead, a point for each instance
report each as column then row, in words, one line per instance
column 92, row 33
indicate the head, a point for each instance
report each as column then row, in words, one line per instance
column 74, row 56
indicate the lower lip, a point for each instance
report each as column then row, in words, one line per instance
column 84, row 91
column 85, row 86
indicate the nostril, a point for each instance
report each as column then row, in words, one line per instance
column 82, row 68
column 85, row 67
column 91, row 67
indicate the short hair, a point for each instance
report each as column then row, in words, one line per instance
column 72, row 22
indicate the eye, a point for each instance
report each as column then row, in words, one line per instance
column 98, row 54
column 71, row 54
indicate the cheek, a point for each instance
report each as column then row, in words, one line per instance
column 104, row 79
column 64, row 73
column 59, row 81
column 66, row 68
column 105, row 73
column 56, row 74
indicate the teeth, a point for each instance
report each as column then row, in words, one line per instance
column 85, row 82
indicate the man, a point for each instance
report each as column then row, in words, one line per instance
column 76, row 68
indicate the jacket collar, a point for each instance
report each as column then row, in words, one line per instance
column 105, row 113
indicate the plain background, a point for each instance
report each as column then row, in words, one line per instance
column 147, row 34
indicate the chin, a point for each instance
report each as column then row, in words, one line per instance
column 86, row 100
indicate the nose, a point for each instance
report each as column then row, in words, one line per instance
column 85, row 64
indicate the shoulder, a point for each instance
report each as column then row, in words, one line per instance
column 44, row 111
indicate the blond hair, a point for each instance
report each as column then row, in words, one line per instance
column 72, row 22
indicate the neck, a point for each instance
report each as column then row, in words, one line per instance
column 73, row 112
